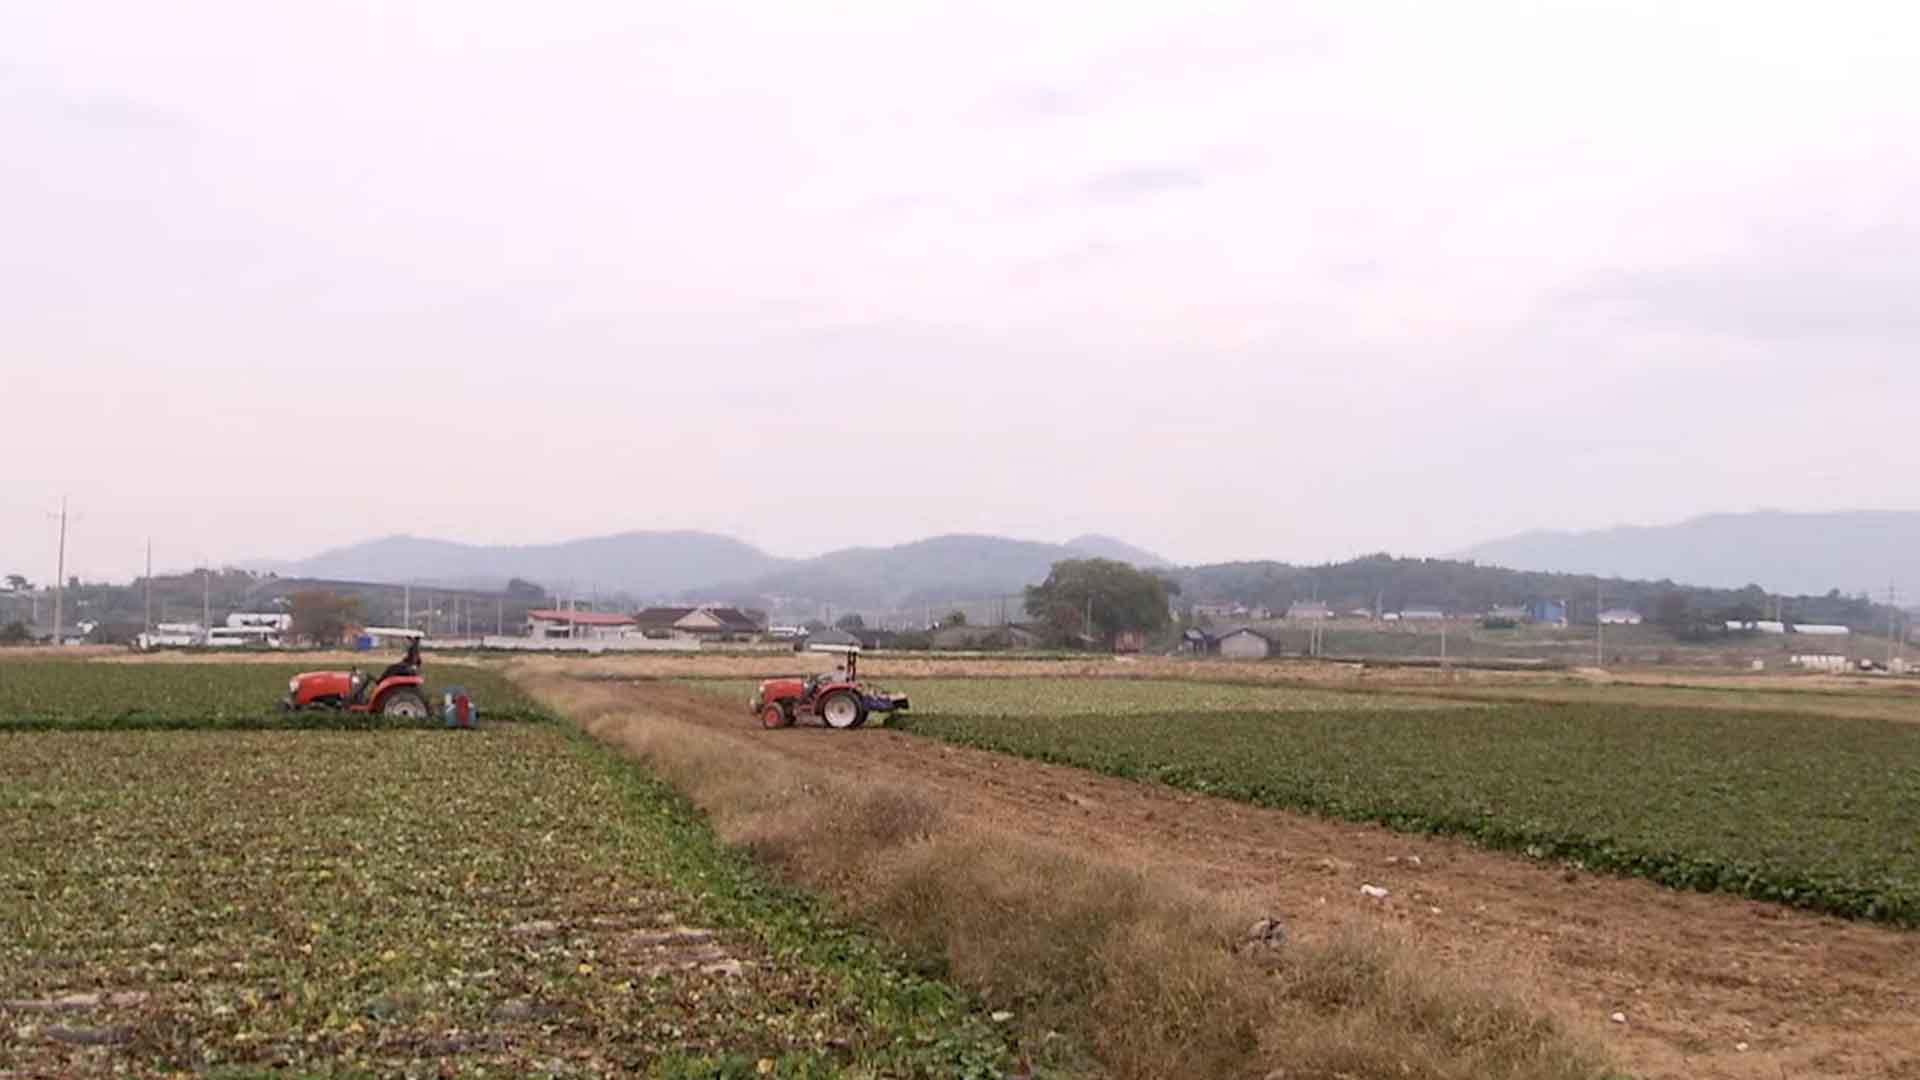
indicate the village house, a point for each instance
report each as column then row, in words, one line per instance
column 1621, row 617
column 985, row 637
column 1235, row 610
column 547, row 623
column 1244, row 644
column 702, row 623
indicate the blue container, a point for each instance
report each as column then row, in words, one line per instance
column 362, row 642
column 458, row 709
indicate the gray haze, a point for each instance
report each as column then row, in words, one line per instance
column 1288, row 280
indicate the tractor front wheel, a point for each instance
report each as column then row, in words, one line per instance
column 842, row 709
column 404, row 704
column 775, row 715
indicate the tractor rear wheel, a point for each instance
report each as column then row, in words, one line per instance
column 407, row 704
column 775, row 715
column 843, row 709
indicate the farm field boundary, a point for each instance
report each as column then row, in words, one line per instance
column 516, row 900
column 1157, row 979
column 1713, row 986
column 1821, row 814
column 76, row 695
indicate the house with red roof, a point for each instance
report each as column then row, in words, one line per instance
column 546, row 623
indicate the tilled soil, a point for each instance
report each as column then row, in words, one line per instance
column 1705, row 986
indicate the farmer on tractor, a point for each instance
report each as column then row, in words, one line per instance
column 408, row 664
column 397, row 692
column 837, row 697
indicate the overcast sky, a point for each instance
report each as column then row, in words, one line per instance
column 1291, row 280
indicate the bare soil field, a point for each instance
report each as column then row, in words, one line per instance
column 1704, row 986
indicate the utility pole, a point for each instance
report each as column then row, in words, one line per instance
column 1893, row 621
column 1599, row 630
column 60, row 574
column 500, row 616
column 206, row 604
column 148, row 628
column 406, row 606
column 1089, row 618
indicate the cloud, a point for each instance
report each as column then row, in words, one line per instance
column 894, row 206
column 119, row 113
column 1030, row 100
column 1852, row 286
column 1073, row 259
column 1143, row 181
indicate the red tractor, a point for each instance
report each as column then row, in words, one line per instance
column 837, row 697
column 396, row 692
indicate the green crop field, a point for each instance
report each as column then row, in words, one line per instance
column 76, row 694
column 508, row 901
column 1818, row 812
column 1050, row 696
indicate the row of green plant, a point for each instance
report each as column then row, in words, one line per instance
column 47, row 695
column 426, row 903
column 1820, row 813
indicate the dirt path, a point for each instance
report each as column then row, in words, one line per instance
column 1710, row 986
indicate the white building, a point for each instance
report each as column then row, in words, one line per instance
column 235, row 637
column 271, row 620
column 1762, row 626
column 1821, row 661
column 1621, row 617
column 173, row 635
column 1820, row 630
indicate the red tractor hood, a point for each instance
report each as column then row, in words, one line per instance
column 781, row 690
column 310, row 686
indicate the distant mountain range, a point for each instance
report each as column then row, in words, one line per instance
column 1781, row 552
column 642, row 563
column 1853, row 551
column 708, row 566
